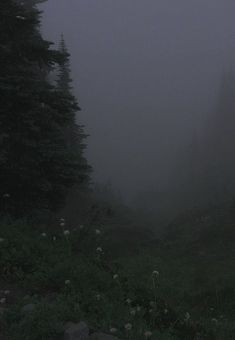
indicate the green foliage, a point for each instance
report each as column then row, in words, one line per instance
column 65, row 283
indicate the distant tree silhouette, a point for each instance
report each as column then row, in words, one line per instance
column 219, row 144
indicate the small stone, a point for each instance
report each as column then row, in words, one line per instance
column 78, row 331
column 29, row 308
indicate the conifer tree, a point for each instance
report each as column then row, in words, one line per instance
column 218, row 151
column 36, row 167
column 74, row 132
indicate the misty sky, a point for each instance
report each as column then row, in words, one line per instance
column 146, row 73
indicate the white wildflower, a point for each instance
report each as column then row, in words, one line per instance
column 128, row 326
column 128, row 301
column 66, row 232
column 67, row 282
column 99, row 250
column 98, row 232
column 133, row 312
column 43, row 234
column 115, row 276
column 54, row 238
column 3, row 300
column 214, row 320
column 1, row 239
column 152, row 303
column 187, row 316
column 155, row 273
column 113, row 330
column 148, row 334
column 138, row 308
column 98, row 296
column 165, row 311
column 62, row 224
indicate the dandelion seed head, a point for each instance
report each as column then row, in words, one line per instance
column 155, row 273
column 133, row 312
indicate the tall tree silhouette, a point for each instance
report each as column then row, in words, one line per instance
column 74, row 132
column 37, row 166
column 219, row 144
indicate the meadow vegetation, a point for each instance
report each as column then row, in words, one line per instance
column 177, row 287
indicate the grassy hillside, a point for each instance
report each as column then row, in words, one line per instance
column 118, row 273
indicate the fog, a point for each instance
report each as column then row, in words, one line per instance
column 146, row 74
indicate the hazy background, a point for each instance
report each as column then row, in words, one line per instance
column 146, row 73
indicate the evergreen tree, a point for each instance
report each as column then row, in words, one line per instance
column 218, row 153
column 74, row 133
column 36, row 165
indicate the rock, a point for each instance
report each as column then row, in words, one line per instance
column 78, row 331
column 102, row 336
column 29, row 308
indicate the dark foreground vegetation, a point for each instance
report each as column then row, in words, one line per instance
column 67, row 257
column 179, row 287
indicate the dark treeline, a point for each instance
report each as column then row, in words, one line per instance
column 204, row 173
column 42, row 145
column 211, row 176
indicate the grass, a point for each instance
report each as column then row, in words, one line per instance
column 68, row 278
